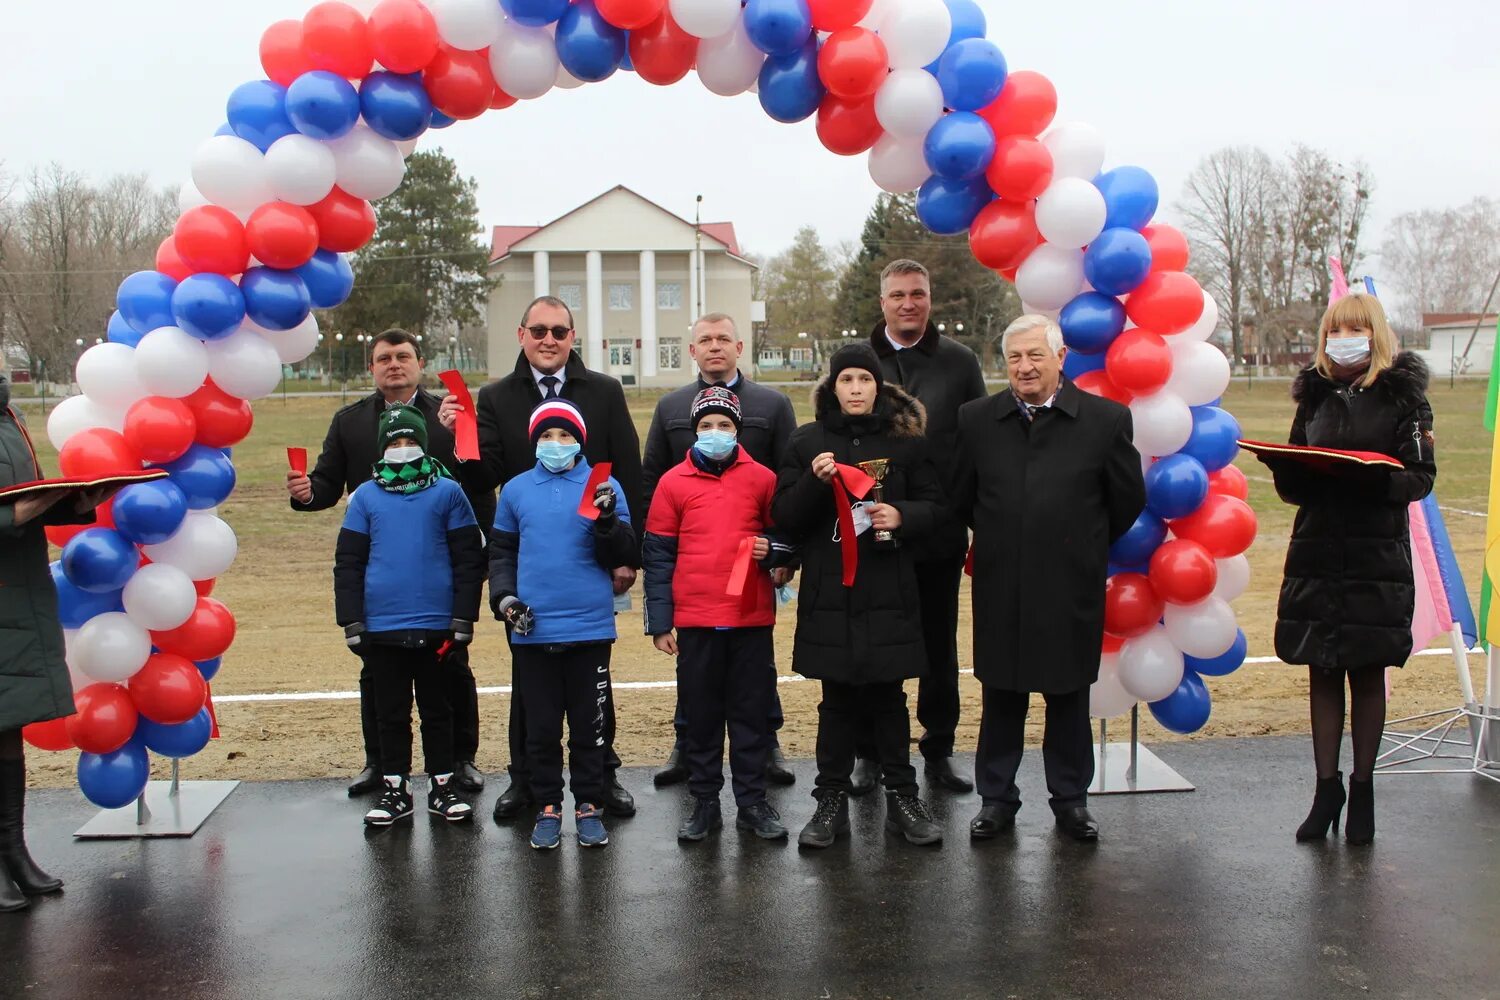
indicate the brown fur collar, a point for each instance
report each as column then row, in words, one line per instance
column 1406, row 379
column 898, row 409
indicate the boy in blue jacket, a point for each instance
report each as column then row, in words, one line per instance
column 550, row 582
column 407, row 576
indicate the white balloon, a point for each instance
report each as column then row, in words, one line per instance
column 909, row 103
column 159, row 597
column 915, row 32
column 1070, row 213
column 1205, row 630
column 171, row 362
column 898, row 164
column 202, row 548
column 705, row 18
column 872, row 20
column 1234, row 577
column 1077, row 150
column 77, row 413
column 1150, row 665
column 407, row 147
column 232, row 173
column 291, row 345
column 566, row 80
column 467, row 24
column 300, row 170
column 188, row 196
column 369, row 166
column 1163, row 423
column 1050, row 276
column 244, row 364
column 1207, row 323
column 106, row 374
column 728, row 64
column 1107, row 696
column 1027, row 309
column 76, row 677
column 111, row 647
column 1200, row 372
column 524, row 61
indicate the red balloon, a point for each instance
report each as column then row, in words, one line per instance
column 1224, row 525
column 105, row 720
column 847, row 127
column 222, row 419
column 1139, row 361
column 1025, row 106
column 1131, row 605
column 345, row 222
column 661, row 52
column 1112, row 643
column 160, row 429
column 210, row 238
column 1004, row 233
column 281, row 52
column 460, row 83
column 1098, row 382
column 282, row 235
column 336, row 38
column 1182, row 571
column 204, row 587
column 1021, row 169
column 168, row 689
column 206, row 634
column 1169, row 248
column 853, row 63
column 403, row 35
column 1009, row 273
column 169, row 262
column 500, row 100
column 832, row 15
column 1229, row 481
column 62, row 534
column 1167, row 301
column 97, row 451
column 630, row 14
column 49, row 735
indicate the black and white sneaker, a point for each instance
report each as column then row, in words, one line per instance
column 394, row 802
column 443, row 801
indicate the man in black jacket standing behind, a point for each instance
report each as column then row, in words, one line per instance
column 346, row 460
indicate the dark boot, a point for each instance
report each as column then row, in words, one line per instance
column 866, row 775
column 366, row 781
column 673, row 771
column 777, row 772
column 830, row 819
column 11, row 898
column 908, row 816
column 1359, row 825
column 1328, row 802
column 15, row 860
column 705, row 819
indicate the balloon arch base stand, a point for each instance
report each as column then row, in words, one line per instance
column 172, row 808
column 1463, row 740
column 1129, row 768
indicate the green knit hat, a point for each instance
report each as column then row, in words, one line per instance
column 401, row 421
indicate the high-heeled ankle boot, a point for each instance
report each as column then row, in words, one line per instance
column 1359, row 827
column 1328, row 802
column 15, row 860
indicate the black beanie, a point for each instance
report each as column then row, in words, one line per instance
column 716, row 399
column 855, row 356
column 401, row 421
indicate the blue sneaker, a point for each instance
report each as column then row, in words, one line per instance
column 591, row 832
column 548, row 830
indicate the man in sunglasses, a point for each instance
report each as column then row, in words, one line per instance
column 548, row 366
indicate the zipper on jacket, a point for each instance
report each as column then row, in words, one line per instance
column 1416, row 436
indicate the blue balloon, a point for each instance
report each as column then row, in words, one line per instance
column 225, row 129
column 275, row 299
column 257, row 113
column 322, row 104
column 1175, row 486
column 395, row 105
column 145, row 300
column 778, row 27
column 208, row 306
column 790, row 88
column 205, row 476
column 150, row 513
column 114, row 780
column 588, row 46
column 1215, row 437
column 534, row 13
column 959, row 146
column 1090, row 323
column 1076, row 363
column 625, row 62
column 1186, row 709
column 1226, row 662
column 1130, row 197
column 209, row 668
column 972, row 73
column 75, row 605
column 181, row 740
column 121, row 332
column 328, row 277
column 1117, row 261
column 99, row 560
column 440, row 120
column 1114, row 569
column 968, row 22
column 949, row 206
column 1134, row 548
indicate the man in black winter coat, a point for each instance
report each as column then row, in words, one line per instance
column 548, row 366
column 766, row 424
column 345, row 462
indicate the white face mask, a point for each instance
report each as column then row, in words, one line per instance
column 405, row 453
column 1347, row 350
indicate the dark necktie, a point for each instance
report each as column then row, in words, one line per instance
column 550, row 383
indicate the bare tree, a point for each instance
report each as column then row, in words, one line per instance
column 1442, row 260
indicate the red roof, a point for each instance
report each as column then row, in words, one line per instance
column 502, row 238
column 1444, row 319
column 724, row 233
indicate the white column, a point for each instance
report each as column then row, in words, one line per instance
column 541, row 274
column 593, row 354
column 648, row 313
column 690, row 293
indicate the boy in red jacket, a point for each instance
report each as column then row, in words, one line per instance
column 707, row 552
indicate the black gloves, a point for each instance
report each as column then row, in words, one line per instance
column 463, row 631
column 517, row 615
column 354, row 637
column 604, row 500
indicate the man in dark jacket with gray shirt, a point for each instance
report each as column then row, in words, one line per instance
column 767, row 422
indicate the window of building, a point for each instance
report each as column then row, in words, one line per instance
column 572, row 295
column 669, row 353
column 770, row 357
column 801, row 356
column 621, row 297
column 669, row 295
column 620, row 354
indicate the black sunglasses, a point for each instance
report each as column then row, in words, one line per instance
column 559, row 333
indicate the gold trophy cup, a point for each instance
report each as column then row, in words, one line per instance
column 876, row 469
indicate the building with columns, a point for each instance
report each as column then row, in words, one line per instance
column 635, row 277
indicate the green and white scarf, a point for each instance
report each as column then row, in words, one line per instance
column 408, row 477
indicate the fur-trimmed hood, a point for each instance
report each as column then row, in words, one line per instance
column 896, row 408
column 1406, row 379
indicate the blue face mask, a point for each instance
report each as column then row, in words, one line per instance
column 716, row 445
column 556, row 456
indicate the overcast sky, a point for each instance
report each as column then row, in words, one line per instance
column 1410, row 87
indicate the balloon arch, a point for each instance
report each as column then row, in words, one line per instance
column 283, row 191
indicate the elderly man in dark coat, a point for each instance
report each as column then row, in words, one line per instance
column 1048, row 479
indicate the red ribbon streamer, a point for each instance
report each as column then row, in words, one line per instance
column 213, row 717
column 297, row 459
column 599, row 474
column 466, row 425
column 741, row 571
column 969, row 561
column 849, row 480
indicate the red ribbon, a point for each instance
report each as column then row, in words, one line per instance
column 969, row 561
column 599, row 474
column 465, row 425
column 741, row 571
column 297, row 459
column 213, row 717
column 849, row 480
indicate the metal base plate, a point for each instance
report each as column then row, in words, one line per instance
column 165, row 814
column 1113, row 774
